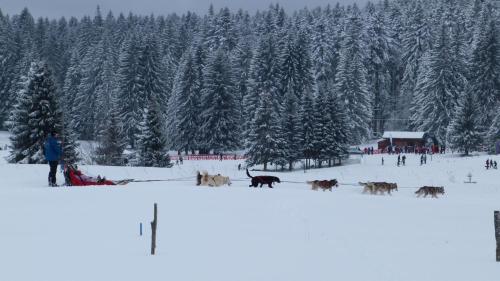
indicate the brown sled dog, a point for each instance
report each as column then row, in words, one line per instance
column 382, row 187
column 324, row 184
column 432, row 190
column 269, row 180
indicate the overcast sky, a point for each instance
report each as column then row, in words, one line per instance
column 58, row 8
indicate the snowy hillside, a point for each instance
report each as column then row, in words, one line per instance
column 241, row 233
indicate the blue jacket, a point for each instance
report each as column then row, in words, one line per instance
column 52, row 149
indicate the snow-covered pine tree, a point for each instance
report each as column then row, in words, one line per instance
column 439, row 85
column 337, row 130
column 151, row 73
column 151, row 144
column 70, row 88
column 416, row 41
column 320, row 138
column 493, row 135
column 394, row 27
column 323, row 52
column 380, row 47
column 307, row 120
column 263, row 143
column 351, row 78
column 241, row 57
column 219, row 129
column 184, row 110
column 264, row 77
column 464, row 132
column 69, row 142
column 128, row 98
column 8, row 71
column 35, row 116
column 86, row 101
column 485, row 68
column 112, row 142
column 290, row 129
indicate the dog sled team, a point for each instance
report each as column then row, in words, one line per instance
column 204, row 179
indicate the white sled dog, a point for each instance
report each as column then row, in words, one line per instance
column 205, row 179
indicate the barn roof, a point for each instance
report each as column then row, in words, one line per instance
column 403, row 135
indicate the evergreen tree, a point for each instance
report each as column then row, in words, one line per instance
column 351, row 79
column 416, row 41
column 35, row 116
column 263, row 143
column 70, row 89
column 485, row 68
column 493, row 135
column 337, row 130
column 264, row 77
column 320, row 138
column 439, row 85
column 380, row 47
column 128, row 98
column 86, row 101
column 290, row 129
column 8, row 68
column 69, row 142
column 184, row 106
column 112, row 144
column 219, row 128
column 464, row 132
column 151, row 73
column 323, row 53
column 307, row 120
column 151, row 144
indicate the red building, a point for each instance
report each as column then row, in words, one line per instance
column 408, row 142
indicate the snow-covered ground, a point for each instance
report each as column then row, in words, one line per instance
column 241, row 233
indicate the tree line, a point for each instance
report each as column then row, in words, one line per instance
column 281, row 86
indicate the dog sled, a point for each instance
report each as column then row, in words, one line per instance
column 75, row 177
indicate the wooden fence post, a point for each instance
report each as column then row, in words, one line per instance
column 153, row 231
column 497, row 233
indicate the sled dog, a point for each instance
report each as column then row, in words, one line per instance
column 376, row 187
column 269, row 180
column 432, row 190
column 205, row 179
column 323, row 184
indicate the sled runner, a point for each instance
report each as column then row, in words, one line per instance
column 74, row 177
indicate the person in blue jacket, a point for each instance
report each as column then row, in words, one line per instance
column 53, row 154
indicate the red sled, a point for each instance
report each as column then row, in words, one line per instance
column 75, row 177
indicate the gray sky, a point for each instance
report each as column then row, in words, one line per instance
column 67, row 8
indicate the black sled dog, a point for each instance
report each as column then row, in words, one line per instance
column 269, row 180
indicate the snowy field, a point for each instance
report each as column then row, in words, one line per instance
column 241, row 233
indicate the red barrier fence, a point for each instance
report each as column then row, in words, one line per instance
column 208, row 157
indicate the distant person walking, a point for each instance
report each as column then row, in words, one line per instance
column 53, row 153
column 404, row 160
column 382, row 161
column 399, row 159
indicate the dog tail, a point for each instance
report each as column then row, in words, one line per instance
column 309, row 182
column 248, row 174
